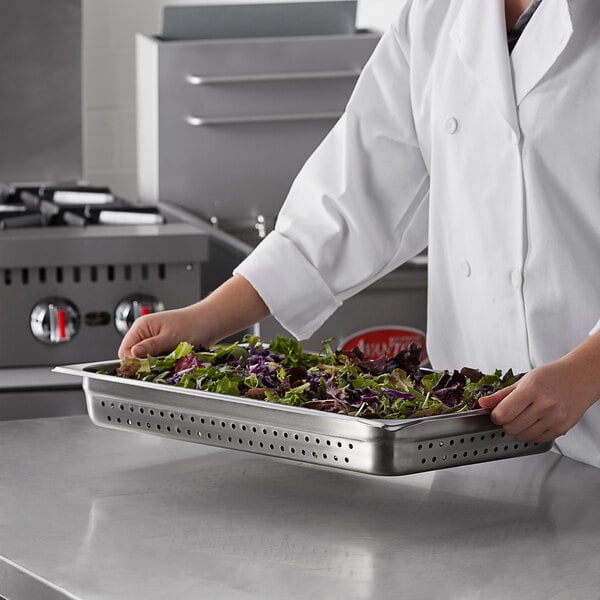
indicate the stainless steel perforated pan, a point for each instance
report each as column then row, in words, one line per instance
column 374, row 446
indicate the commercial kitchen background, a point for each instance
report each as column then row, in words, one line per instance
column 89, row 513
column 109, row 28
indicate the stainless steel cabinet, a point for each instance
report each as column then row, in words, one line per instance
column 225, row 125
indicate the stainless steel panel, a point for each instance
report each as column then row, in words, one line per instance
column 94, row 269
column 102, row 244
column 225, row 172
column 36, row 392
column 262, row 56
column 225, row 126
column 259, row 20
column 31, row 404
column 257, row 95
column 378, row 447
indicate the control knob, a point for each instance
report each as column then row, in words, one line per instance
column 54, row 320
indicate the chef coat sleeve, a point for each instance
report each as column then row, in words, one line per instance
column 358, row 208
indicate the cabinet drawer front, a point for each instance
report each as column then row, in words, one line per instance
column 264, row 101
column 219, row 82
column 241, row 170
column 264, row 56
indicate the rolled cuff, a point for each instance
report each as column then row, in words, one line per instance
column 290, row 286
column 595, row 329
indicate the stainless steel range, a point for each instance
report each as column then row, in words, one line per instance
column 71, row 286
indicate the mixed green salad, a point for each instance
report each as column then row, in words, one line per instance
column 346, row 383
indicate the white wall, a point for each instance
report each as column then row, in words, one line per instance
column 109, row 27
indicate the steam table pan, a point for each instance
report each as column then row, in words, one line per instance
column 374, row 446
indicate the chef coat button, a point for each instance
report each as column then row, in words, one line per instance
column 451, row 125
column 465, row 267
column 514, row 139
column 516, row 278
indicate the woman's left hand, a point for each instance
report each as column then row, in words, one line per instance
column 544, row 404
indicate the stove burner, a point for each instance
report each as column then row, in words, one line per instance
column 74, row 206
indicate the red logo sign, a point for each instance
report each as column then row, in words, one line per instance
column 384, row 341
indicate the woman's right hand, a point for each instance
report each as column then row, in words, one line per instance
column 232, row 307
column 158, row 333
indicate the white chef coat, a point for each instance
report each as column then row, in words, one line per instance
column 491, row 161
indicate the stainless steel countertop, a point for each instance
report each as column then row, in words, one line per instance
column 31, row 378
column 91, row 513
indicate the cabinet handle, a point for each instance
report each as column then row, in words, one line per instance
column 270, row 77
column 196, row 121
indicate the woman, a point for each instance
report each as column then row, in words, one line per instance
column 488, row 157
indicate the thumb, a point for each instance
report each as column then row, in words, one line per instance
column 494, row 399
